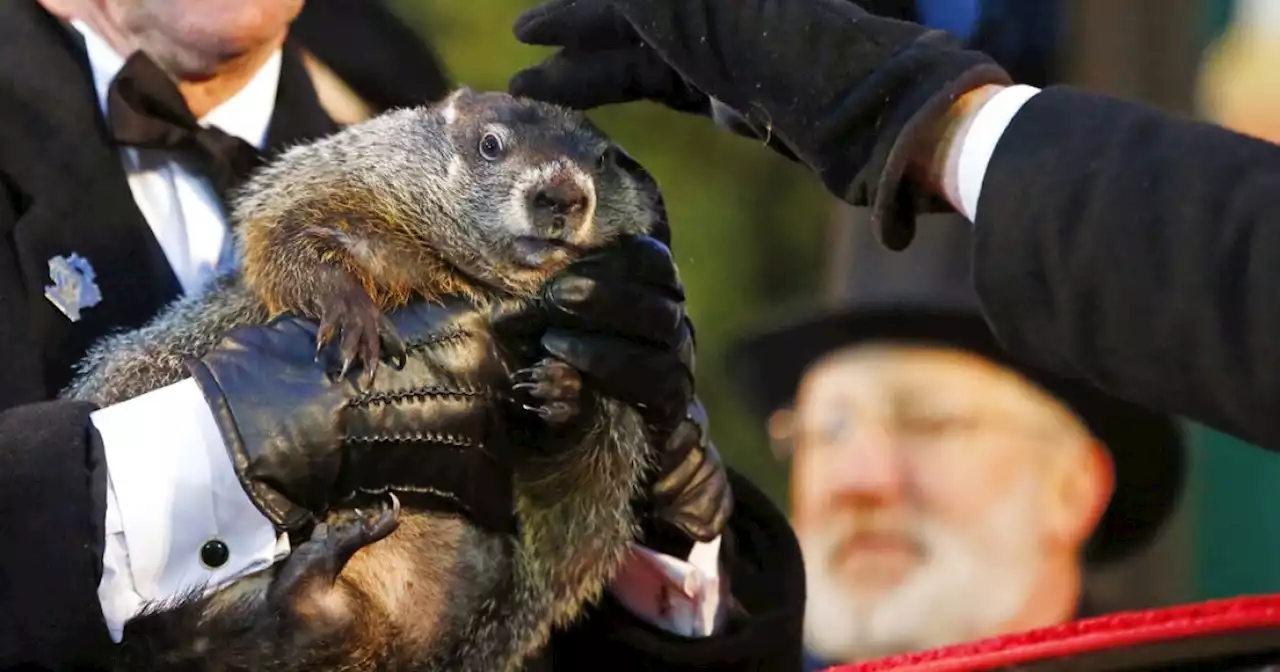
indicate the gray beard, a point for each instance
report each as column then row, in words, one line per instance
column 967, row 587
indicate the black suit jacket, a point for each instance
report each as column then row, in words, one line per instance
column 63, row 190
column 1138, row 251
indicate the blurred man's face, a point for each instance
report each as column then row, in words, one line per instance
column 190, row 37
column 922, row 497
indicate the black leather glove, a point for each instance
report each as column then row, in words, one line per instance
column 847, row 92
column 689, row 498
column 618, row 317
column 302, row 440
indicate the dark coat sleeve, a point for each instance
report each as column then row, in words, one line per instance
column 767, row 577
column 1139, row 251
column 52, row 505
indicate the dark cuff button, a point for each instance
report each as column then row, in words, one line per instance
column 214, row 554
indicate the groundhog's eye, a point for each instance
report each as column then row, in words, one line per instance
column 490, row 147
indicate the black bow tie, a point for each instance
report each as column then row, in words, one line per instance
column 145, row 109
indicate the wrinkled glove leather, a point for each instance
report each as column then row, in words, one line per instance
column 302, row 440
column 846, row 92
column 618, row 317
column 690, row 498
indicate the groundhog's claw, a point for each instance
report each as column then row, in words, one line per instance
column 393, row 346
column 362, row 331
column 316, row 563
column 556, row 384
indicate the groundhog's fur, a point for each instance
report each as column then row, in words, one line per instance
column 405, row 204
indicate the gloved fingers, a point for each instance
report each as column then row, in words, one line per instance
column 626, row 309
column 706, row 519
column 579, row 24
column 625, row 370
column 518, row 326
column 681, row 452
column 642, row 260
column 586, row 79
column 631, row 288
column 579, row 80
column 696, row 497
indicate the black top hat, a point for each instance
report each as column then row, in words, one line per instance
column 924, row 294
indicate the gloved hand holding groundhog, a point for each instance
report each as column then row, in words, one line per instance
column 618, row 317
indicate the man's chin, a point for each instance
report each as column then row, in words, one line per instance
column 886, row 612
column 870, row 604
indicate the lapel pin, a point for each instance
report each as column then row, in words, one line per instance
column 73, row 288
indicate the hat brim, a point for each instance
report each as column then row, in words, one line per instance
column 1147, row 449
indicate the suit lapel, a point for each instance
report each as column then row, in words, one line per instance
column 298, row 115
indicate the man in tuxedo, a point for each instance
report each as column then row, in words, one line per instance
column 123, row 126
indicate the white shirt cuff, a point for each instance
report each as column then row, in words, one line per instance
column 979, row 143
column 680, row 597
column 170, row 489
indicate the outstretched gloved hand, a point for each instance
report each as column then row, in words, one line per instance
column 846, row 92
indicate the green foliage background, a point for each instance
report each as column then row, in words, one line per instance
column 748, row 226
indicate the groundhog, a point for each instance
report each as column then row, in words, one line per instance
column 481, row 196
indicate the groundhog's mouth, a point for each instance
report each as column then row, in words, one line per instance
column 535, row 252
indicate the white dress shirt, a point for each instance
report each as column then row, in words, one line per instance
column 171, row 487
column 979, row 143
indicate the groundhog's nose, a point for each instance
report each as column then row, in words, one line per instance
column 558, row 208
column 560, row 199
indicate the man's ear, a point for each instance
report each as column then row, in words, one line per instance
column 1079, row 488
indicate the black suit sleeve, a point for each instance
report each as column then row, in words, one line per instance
column 767, row 577
column 1139, row 251
column 52, row 505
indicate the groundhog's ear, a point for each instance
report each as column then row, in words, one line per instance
column 459, row 94
column 448, row 108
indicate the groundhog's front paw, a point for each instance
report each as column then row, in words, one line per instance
column 556, row 385
column 365, row 332
column 316, row 563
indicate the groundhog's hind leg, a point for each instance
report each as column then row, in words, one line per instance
column 314, row 566
column 305, row 617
